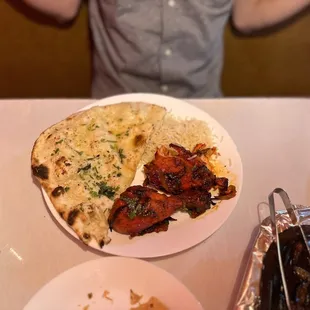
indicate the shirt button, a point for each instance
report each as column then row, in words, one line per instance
column 171, row 3
column 168, row 52
column 164, row 88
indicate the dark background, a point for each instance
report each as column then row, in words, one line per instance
column 38, row 59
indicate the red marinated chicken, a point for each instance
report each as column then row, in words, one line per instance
column 195, row 203
column 140, row 210
column 178, row 170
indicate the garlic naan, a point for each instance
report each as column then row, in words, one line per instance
column 85, row 161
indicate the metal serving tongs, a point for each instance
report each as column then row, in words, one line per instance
column 295, row 218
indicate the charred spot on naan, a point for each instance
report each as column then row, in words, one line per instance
column 62, row 161
column 57, row 191
column 62, row 165
column 86, row 236
column 72, row 216
column 139, row 140
column 40, row 171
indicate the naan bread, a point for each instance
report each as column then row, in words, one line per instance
column 85, row 161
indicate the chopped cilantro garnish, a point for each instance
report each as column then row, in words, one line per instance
column 121, row 155
column 92, row 127
column 60, row 141
column 92, row 158
column 67, row 188
column 94, row 194
column 131, row 202
column 132, row 214
column 55, row 152
column 106, row 190
column 110, row 141
column 80, row 175
column 87, row 167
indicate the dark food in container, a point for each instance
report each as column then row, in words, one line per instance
column 296, row 264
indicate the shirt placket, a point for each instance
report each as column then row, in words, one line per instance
column 166, row 51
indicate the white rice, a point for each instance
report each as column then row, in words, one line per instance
column 187, row 133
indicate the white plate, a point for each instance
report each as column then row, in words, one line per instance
column 69, row 291
column 185, row 232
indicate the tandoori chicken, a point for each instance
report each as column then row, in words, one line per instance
column 177, row 170
column 186, row 179
column 140, row 210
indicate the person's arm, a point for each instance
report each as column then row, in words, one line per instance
column 250, row 15
column 62, row 10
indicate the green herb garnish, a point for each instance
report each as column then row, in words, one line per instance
column 106, row 190
column 81, row 177
column 87, row 167
column 131, row 202
column 110, row 141
column 92, row 158
column 92, row 127
column 94, row 194
column 55, row 152
column 132, row 214
column 121, row 155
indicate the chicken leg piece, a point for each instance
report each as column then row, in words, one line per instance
column 141, row 210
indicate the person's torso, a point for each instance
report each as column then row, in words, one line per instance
column 170, row 46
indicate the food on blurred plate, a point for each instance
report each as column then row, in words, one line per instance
column 152, row 304
column 134, row 298
column 106, row 295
